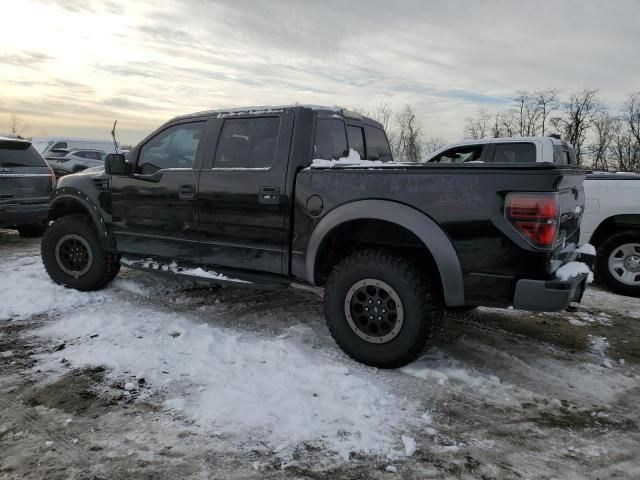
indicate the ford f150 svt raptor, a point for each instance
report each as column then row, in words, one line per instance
column 238, row 197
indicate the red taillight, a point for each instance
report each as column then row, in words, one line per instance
column 536, row 217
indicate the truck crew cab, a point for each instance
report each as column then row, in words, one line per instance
column 252, row 197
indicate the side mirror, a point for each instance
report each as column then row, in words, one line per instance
column 115, row 164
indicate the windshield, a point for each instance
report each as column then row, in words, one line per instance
column 41, row 146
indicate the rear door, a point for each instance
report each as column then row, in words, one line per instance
column 154, row 210
column 25, row 178
column 242, row 199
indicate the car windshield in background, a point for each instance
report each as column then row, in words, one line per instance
column 19, row 154
column 57, row 153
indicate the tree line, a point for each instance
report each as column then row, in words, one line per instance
column 602, row 139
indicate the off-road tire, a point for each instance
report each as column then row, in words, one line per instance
column 421, row 302
column 33, row 230
column 602, row 266
column 104, row 267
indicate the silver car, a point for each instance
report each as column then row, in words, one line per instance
column 65, row 161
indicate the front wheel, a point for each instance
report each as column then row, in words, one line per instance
column 73, row 256
column 380, row 308
column 619, row 263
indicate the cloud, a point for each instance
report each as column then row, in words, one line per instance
column 24, row 59
column 148, row 61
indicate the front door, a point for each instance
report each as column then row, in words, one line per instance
column 154, row 210
column 242, row 195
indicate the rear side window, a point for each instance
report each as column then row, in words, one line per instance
column 60, row 145
column 462, row 154
column 174, row 147
column 247, row 143
column 331, row 139
column 356, row 139
column 514, row 153
column 377, row 144
column 19, row 154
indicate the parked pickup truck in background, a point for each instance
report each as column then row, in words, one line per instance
column 612, row 224
column 254, row 197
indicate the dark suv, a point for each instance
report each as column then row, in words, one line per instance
column 26, row 181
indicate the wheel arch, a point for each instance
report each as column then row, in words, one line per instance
column 407, row 219
column 613, row 225
column 70, row 202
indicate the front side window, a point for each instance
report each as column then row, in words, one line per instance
column 465, row 154
column 331, row 139
column 356, row 139
column 514, row 153
column 247, row 143
column 174, row 147
column 377, row 144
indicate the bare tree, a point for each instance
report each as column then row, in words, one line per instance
column 547, row 102
column 16, row 125
column 478, row 126
column 606, row 128
column 625, row 151
column 631, row 114
column 409, row 136
column 579, row 113
column 433, row 144
column 527, row 113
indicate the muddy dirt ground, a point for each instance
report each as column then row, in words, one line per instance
column 509, row 394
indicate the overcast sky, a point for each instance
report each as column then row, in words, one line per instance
column 70, row 67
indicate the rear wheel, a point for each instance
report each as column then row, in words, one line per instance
column 380, row 308
column 32, row 230
column 619, row 263
column 73, row 255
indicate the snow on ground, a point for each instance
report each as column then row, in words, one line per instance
column 41, row 295
column 278, row 390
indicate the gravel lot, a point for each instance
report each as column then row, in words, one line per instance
column 153, row 378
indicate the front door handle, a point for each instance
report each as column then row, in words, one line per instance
column 269, row 196
column 186, row 192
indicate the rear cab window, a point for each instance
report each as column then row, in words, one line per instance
column 19, row 154
column 355, row 135
column 377, row 144
column 331, row 139
column 247, row 143
column 514, row 152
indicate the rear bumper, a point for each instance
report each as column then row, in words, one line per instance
column 548, row 295
column 12, row 215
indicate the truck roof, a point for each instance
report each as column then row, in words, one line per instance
column 262, row 109
column 553, row 140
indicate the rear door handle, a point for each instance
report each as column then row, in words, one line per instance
column 269, row 196
column 186, row 192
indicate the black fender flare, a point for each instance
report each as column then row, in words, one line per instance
column 423, row 227
column 66, row 194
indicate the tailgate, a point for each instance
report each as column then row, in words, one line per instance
column 571, row 196
column 24, row 185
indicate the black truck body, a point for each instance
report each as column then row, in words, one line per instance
column 243, row 197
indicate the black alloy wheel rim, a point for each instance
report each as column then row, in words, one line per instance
column 374, row 310
column 74, row 255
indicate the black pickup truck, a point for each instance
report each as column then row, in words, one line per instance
column 252, row 197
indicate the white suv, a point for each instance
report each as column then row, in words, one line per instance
column 64, row 161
